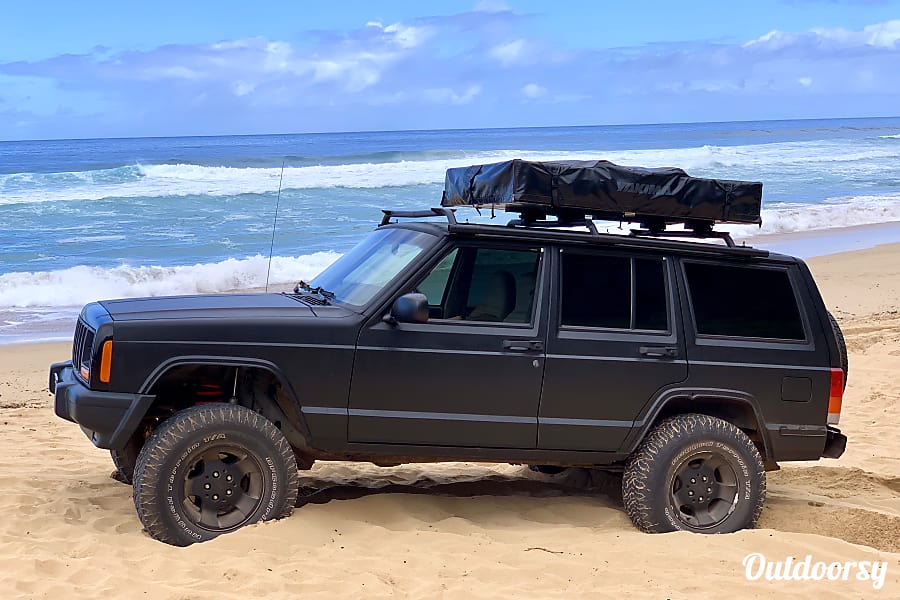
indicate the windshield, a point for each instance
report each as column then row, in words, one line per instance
column 356, row 277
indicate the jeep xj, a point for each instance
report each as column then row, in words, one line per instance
column 688, row 366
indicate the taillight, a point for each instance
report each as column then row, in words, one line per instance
column 106, row 361
column 835, row 396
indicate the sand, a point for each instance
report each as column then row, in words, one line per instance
column 458, row 529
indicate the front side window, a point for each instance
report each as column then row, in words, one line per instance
column 483, row 284
column 359, row 275
column 613, row 292
column 739, row 301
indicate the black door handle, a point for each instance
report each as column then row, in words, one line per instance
column 659, row 351
column 523, row 345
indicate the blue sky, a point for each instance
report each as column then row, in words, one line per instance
column 110, row 69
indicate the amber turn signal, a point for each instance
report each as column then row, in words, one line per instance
column 106, row 361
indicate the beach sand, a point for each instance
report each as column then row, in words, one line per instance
column 457, row 529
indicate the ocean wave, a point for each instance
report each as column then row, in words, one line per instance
column 895, row 136
column 78, row 285
column 81, row 284
column 765, row 162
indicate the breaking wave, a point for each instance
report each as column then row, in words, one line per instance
column 81, row 284
column 763, row 162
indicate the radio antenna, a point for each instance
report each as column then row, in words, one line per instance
column 274, row 223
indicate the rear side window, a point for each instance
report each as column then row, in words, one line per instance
column 738, row 301
column 613, row 292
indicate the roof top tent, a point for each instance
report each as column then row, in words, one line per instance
column 574, row 191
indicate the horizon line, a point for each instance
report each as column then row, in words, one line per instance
column 524, row 127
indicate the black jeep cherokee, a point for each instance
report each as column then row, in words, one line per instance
column 689, row 366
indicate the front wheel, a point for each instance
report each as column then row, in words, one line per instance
column 212, row 469
column 694, row 473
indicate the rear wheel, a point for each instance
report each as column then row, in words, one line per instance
column 210, row 470
column 695, row 473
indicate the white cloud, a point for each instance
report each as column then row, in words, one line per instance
column 533, row 90
column 509, row 53
column 878, row 35
column 805, row 81
column 449, row 96
column 407, row 36
column 774, row 40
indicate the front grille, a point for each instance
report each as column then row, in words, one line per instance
column 82, row 348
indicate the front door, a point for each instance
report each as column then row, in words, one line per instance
column 471, row 375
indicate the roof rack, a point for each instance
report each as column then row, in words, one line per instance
column 697, row 230
column 527, row 228
column 419, row 214
column 722, row 235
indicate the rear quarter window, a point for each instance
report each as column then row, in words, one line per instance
column 743, row 301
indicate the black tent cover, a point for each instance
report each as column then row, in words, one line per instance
column 603, row 190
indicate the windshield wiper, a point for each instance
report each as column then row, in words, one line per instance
column 305, row 287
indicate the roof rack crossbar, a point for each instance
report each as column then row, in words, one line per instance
column 418, row 214
column 587, row 222
column 723, row 235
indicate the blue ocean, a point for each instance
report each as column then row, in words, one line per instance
column 82, row 220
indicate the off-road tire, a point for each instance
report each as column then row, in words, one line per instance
column 842, row 346
column 685, row 448
column 212, row 469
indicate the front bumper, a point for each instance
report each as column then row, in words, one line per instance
column 835, row 443
column 108, row 418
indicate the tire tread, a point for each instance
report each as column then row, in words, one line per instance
column 641, row 500
column 147, row 471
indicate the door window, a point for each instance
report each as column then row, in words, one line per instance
column 614, row 292
column 483, row 284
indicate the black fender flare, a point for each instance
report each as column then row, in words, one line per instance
column 642, row 427
column 234, row 361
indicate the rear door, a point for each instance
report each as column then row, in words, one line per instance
column 613, row 344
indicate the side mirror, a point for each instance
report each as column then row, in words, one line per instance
column 409, row 308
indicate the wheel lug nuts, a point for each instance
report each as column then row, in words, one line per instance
column 690, row 493
column 227, row 492
column 215, row 473
column 206, row 486
column 700, row 498
column 215, row 496
column 693, row 480
column 709, row 490
column 228, row 478
column 704, row 478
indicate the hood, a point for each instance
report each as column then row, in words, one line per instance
column 221, row 306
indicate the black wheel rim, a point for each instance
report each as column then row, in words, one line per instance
column 704, row 490
column 223, row 488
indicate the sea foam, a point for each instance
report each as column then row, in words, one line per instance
column 79, row 285
column 764, row 162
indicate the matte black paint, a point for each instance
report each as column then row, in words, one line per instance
column 363, row 388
